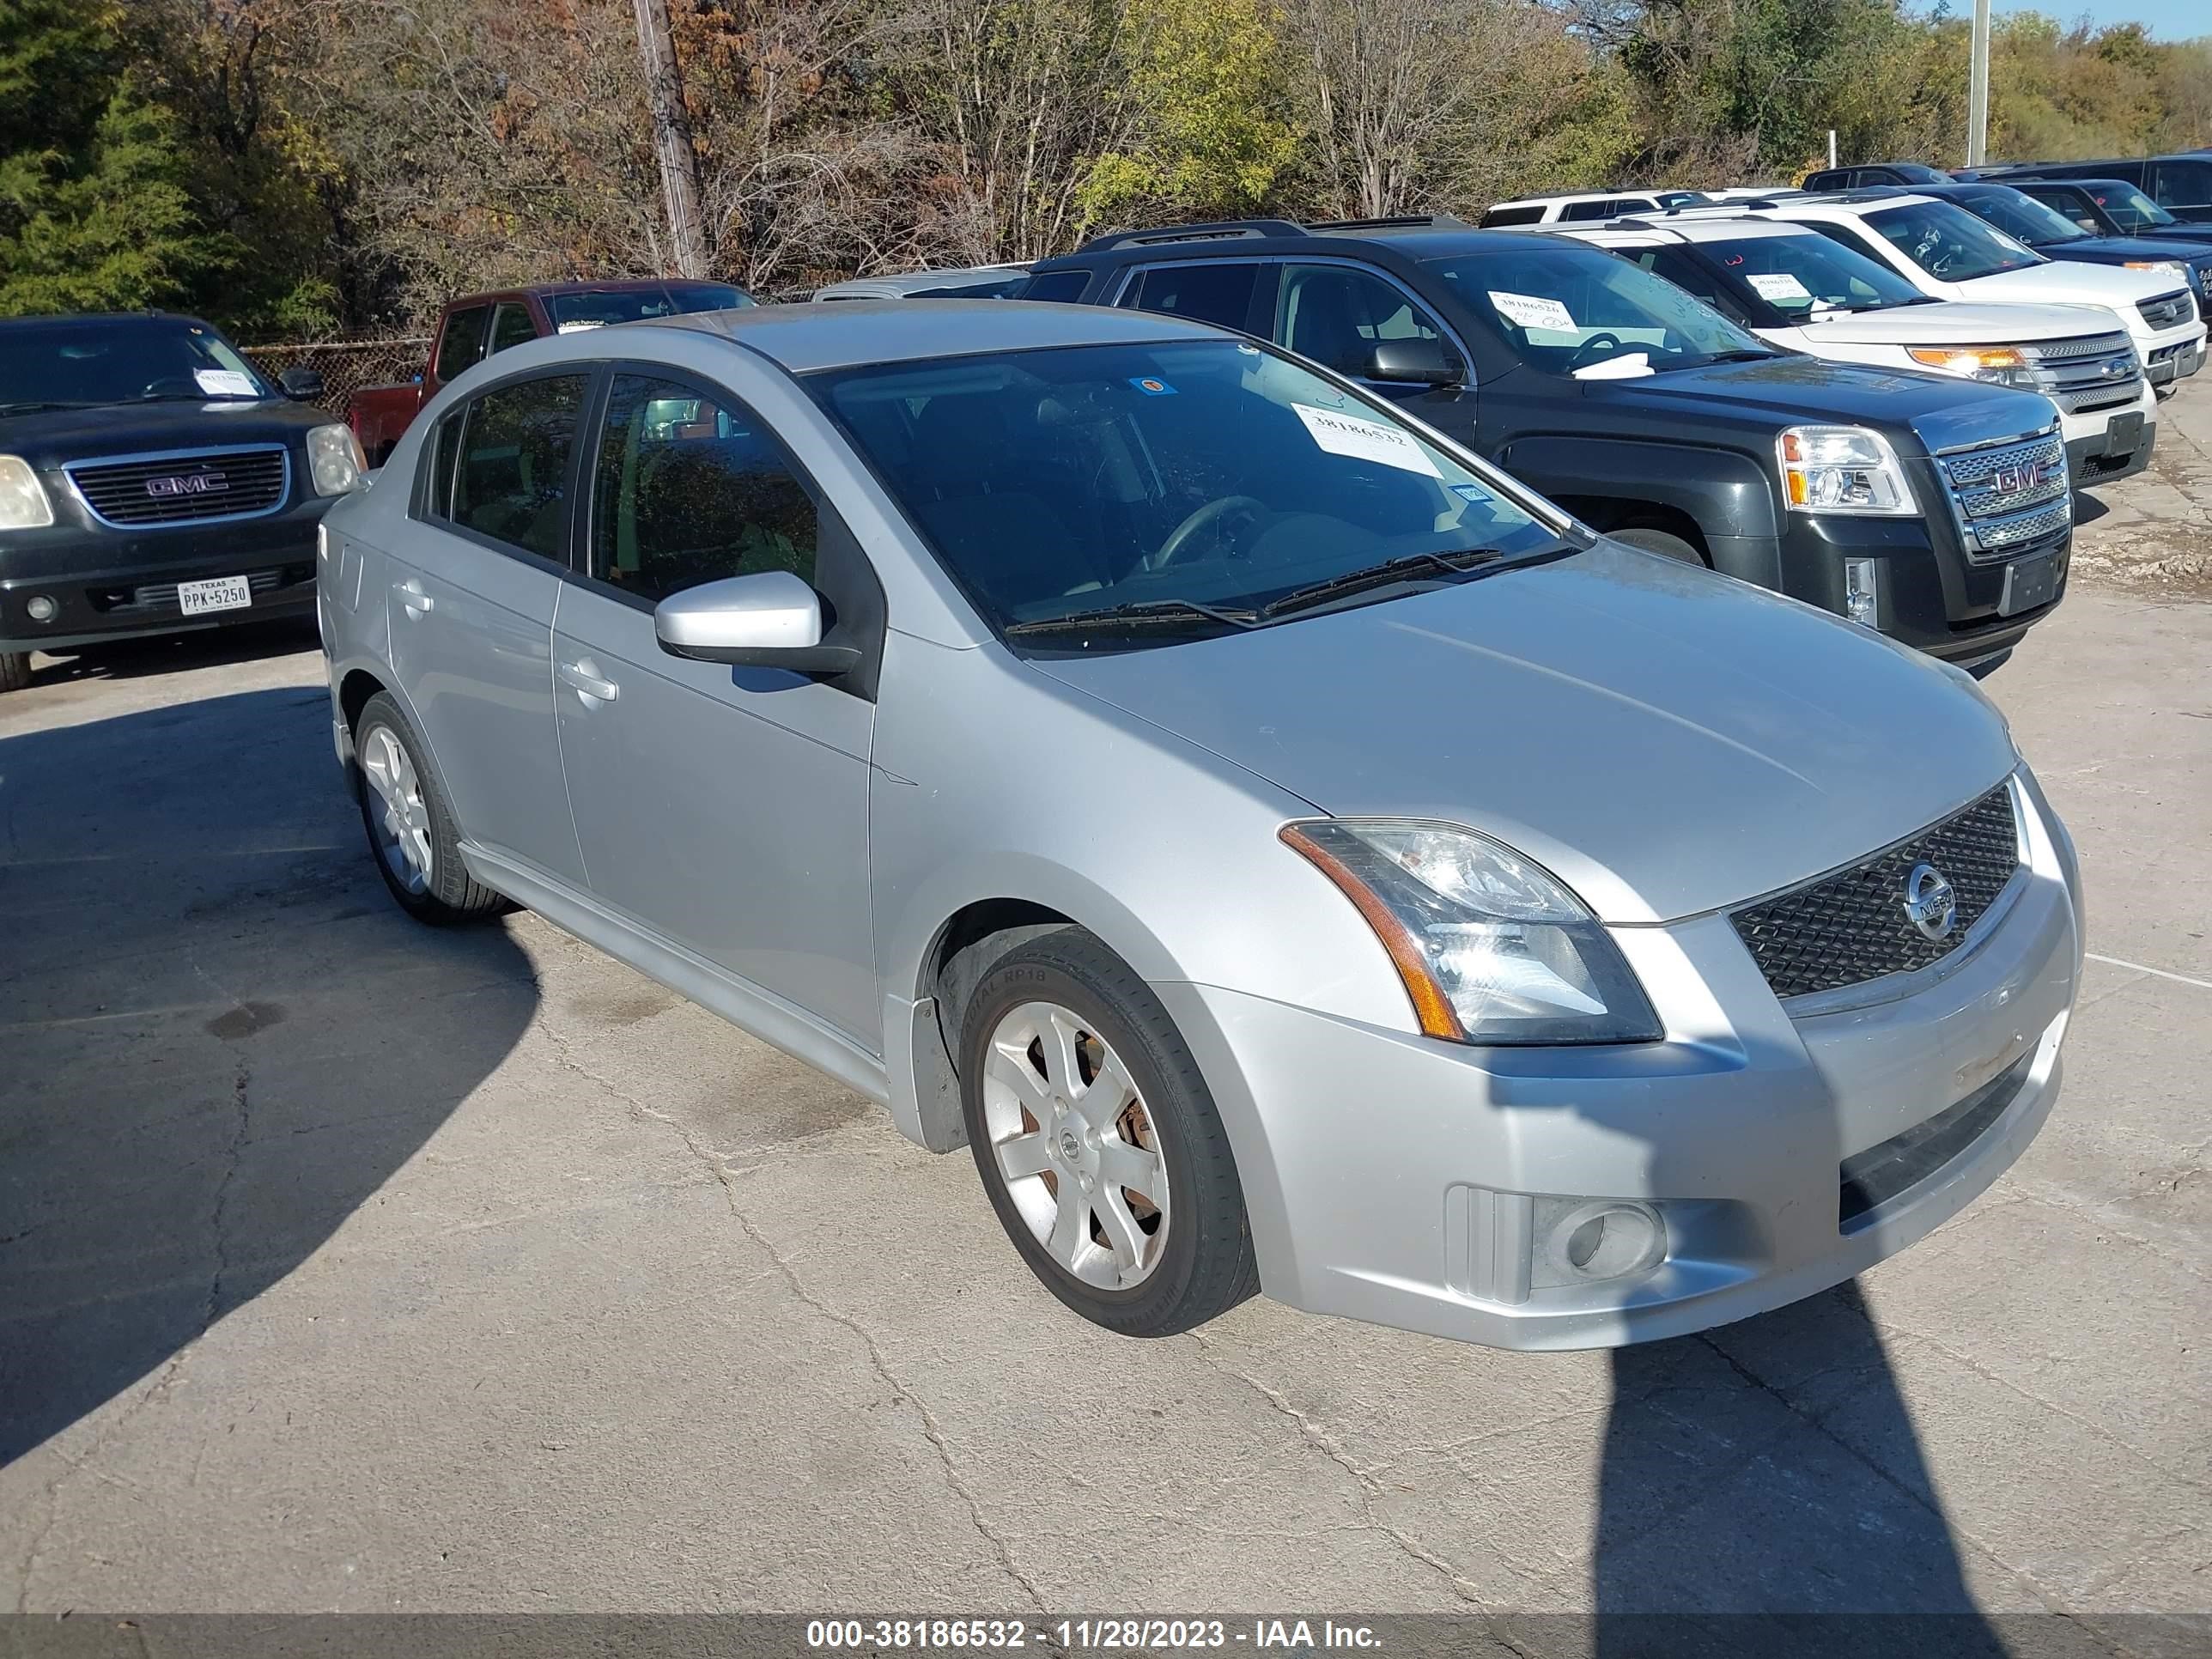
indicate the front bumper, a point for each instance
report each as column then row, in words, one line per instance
column 109, row 585
column 2166, row 365
column 1410, row 1182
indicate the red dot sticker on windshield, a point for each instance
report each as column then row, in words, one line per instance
column 1151, row 387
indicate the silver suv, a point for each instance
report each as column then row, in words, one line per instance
column 1286, row 852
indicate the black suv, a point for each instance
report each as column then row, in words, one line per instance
column 1874, row 172
column 152, row 481
column 1933, row 508
column 2180, row 184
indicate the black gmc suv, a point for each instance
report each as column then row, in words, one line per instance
column 1933, row 508
column 151, row 481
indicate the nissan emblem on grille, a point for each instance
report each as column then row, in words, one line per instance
column 1930, row 902
column 188, row 484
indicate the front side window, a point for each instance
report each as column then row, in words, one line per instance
column 690, row 488
column 1584, row 210
column 2182, row 184
column 1680, row 268
column 511, row 483
column 1113, row 496
column 2131, row 208
column 1573, row 309
column 511, row 326
column 1949, row 243
column 2022, row 217
column 1336, row 315
column 2070, row 203
column 1793, row 276
column 461, row 348
column 1219, row 291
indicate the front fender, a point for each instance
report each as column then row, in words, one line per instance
column 1725, row 493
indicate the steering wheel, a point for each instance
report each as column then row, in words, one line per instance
column 169, row 383
column 1204, row 519
column 1610, row 341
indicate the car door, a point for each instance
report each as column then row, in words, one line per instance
column 723, row 809
column 471, row 604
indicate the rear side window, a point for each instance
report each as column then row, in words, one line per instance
column 691, row 489
column 1828, row 178
column 461, row 346
column 1604, row 210
column 511, row 326
column 1511, row 216
column 512, row 480
column 1063, row 286
column 2181, row 184
column 1221, row 292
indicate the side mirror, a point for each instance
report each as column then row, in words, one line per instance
column 1417, row 362
column 301, row 384
column 771, row 619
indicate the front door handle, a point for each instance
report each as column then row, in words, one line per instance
column 583, row 678
column 411, row 595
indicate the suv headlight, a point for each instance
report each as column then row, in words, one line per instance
column 2170, row 267
column 1998, row 365
column 23, row 503
column 1492, row 948
column 335, row 462
column 1843, row 469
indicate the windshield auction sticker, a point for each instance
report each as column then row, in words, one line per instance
column 1778, row 285
column 1366, row 440
column 1533, row 311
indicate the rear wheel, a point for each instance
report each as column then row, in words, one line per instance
column 1664, row 543
column 15, row 670
column 410, row 826
column 1098, row 1143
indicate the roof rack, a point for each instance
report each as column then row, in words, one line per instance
column 1222, row 230
column 1394, row 221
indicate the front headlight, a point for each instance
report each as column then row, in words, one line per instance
column 1490, row 947
column 334, row 460
column 1843, row 469
column 2170, row 267
column 1998, row 365
column 23, row 503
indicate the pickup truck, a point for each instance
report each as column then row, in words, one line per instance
column 475, row 325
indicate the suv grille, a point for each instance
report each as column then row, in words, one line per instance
column 2010, row 497
column 2094, row 372
column 188, row 487
column 1850, row 927
column 2168, row 310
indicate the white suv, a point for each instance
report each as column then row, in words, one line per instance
column 1796, row 288
column 1588, row 207
column 1946, row 253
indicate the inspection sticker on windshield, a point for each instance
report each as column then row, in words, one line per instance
column 1475, row 494
column 1151, row 387
column 578, row 328
column 1778, row 285
column 1531, row 310
column 1366, row 440
column 225, row 383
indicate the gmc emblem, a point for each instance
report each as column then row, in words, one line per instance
column 2009, row 480
column 188, row 484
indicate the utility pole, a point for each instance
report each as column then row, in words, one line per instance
column 1978, row 89
column 671, row 138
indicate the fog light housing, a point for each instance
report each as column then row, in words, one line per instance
column 1863, row 590
column 40, row 609
column 1610, row 1238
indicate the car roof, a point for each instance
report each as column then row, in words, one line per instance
column 892, row 284
column 42, row 318
column 1583, row 196
column 1712, row 229
column 1414, row 239
column 806, row 336
column 1851, row 201
column 611, row 285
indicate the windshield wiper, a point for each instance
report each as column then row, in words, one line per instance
column 1379, row 575
column 1139, row 611
column 31, row 405
column 1741, row 355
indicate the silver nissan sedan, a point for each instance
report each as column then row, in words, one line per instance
column 1287, row 854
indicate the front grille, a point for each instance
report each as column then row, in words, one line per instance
column 2094, row 372
column 159, row 599
column 1867, row 1180
column 184, row 487
column 2169, row 310
column 1850, row 927
column 2085, row 345
column 2009, row 496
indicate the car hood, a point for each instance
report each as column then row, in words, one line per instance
column 2117, row 250
column 1957, row 323
column 1786, row 389
column 51, row 437
column 2072, row 281
column 1666, row 741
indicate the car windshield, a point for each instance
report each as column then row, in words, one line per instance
column 596, row 308
column 1799, row 275
column 1573, row 310
column 2131, row 208
column 2036, row 223
column 78, row 362
column 1157, row 490
column 1949, row 243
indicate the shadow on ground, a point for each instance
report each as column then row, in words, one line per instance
column 220, row 1035
column 170, row 653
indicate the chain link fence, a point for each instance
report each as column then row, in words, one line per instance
column 346, row 365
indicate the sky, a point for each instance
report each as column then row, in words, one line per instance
column 2167, row 19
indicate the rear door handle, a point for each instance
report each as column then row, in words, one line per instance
column 583, row 676
column 411, row 595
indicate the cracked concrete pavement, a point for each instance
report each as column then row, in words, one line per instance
column 347, row 1264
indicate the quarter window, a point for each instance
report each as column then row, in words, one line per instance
column 1216, row 292
column 511, row 326
column 1335, row 315
column 1056, row 285
column 512, row 482
column 692, row 489
column 2182, row 184
column 1580, row 211
column 1512, row 215
column 461, row 348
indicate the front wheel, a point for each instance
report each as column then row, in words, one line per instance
column 15, row 670
column 1098, row 1143
column 1662, row 543
column 410, row 825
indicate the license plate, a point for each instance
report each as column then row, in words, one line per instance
column 2028, row 584
column 2186, row 361
column 217, row 593
column 2123, row 433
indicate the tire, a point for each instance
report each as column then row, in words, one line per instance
column 15, row 671
column 1074, row 998
column 1664, row 543
column 412, row 833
